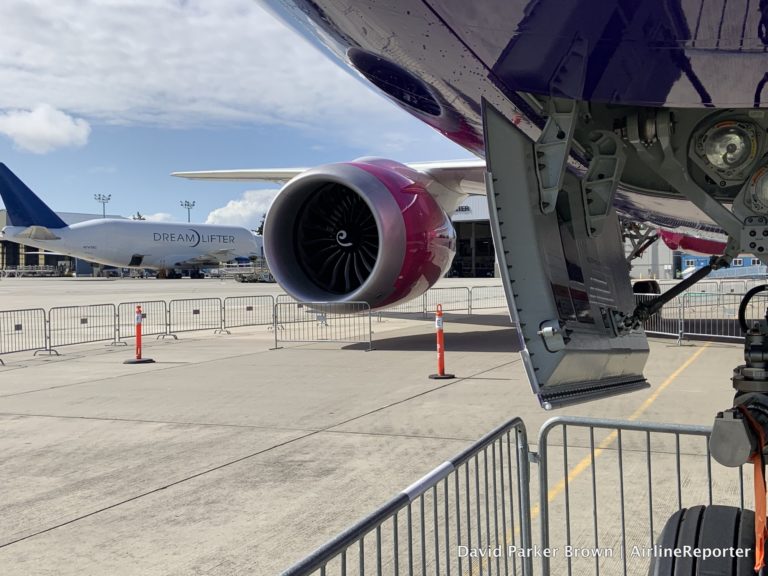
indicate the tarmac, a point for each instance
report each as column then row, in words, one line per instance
column 228, row 457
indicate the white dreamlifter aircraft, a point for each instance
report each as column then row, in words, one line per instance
column 167, row 246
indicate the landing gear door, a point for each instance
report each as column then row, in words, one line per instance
column 564, row 287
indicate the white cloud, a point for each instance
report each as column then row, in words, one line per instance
column 247, row 211
column 190, row 63
column 159, row 217
column 43, row 129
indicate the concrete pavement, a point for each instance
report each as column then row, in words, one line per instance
column 227, row 457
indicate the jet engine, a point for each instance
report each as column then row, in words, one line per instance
column 366, row 230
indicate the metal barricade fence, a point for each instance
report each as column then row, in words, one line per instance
column 22, row 330
column 666, row 285
column 415, row 306
column 708, row 287
column 69, row 325
column 454, row 299
column 194, row 314
column 323, row 322
column 154, row 314
column 709, row 314
column 733, row 287
column 248, row 311
column 703, row 315
column 608, row 487
column 479, row 499
column 283, row 298
column 722, row 286
column 716, row 315
column 755, row 282
column 484, row 297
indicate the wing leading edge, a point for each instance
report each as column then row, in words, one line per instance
column 463, row 176
column 279, row 175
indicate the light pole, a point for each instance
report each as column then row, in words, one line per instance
column 188, row 205
column 103, row 199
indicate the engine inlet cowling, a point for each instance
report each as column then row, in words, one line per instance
column 361, row 231
column 336, row 239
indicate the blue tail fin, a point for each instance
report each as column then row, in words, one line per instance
column 24, row 208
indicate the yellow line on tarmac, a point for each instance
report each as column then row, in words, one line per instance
column 586, row 462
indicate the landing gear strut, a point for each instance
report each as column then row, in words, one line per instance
column 740, row 431
column 738, row 436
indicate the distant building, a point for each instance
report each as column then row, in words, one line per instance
column 475, row 256
column 697, row 261
column 658, row 261
column 12, row 254
column 744, row 265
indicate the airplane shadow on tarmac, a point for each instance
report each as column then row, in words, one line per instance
column 504, row 339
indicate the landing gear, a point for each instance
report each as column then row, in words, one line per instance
column 723, row 533
column 741, row 431
column 738, row 436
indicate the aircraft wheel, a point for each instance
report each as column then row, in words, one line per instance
column 706, row 528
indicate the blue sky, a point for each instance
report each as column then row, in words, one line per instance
column 111, row 97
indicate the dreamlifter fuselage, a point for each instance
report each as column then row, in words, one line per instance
column 121, row 243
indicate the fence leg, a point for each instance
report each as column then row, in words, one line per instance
column 524, row 480
column 117, row 341
column 681, row 320
column 48, row 350
column 543, row 505
column 222, row 329
column 469, row 301
column 370, row 332
column 168, row 332
column 274, row 324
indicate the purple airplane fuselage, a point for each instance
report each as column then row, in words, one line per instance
column 439, row 59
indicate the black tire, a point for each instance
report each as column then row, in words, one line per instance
column 707, row 527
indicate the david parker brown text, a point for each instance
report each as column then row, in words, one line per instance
column 579, row 552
